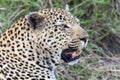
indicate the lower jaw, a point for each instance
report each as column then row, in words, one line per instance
column 73, row 62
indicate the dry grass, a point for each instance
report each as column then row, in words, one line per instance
column 92, row 67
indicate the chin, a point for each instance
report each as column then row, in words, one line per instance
column 70, row 56
column 73, row 62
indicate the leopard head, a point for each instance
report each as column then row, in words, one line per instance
column 59, row 33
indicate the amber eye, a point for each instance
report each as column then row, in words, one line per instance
column 65, row 26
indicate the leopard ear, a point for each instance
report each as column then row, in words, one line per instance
column 36, row 20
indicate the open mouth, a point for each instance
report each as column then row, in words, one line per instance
column 69, row 55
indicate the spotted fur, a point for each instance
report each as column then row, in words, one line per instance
column 31, row 48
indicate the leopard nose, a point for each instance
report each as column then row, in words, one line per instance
column 84, row 39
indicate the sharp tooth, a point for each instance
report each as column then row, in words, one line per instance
column 74, row 54
column 79, row 53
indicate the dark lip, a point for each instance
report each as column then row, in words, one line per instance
column 68, row 57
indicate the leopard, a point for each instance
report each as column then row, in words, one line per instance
column 36, row 44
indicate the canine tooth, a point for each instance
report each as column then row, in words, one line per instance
column 79, row 53
column 74, row 54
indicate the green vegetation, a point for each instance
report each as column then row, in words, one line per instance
column 101, row 18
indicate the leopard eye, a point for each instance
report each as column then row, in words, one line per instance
column 65, row 26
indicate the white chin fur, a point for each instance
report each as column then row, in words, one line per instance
column 73, row 62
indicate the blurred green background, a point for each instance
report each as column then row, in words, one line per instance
column 100, row 18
